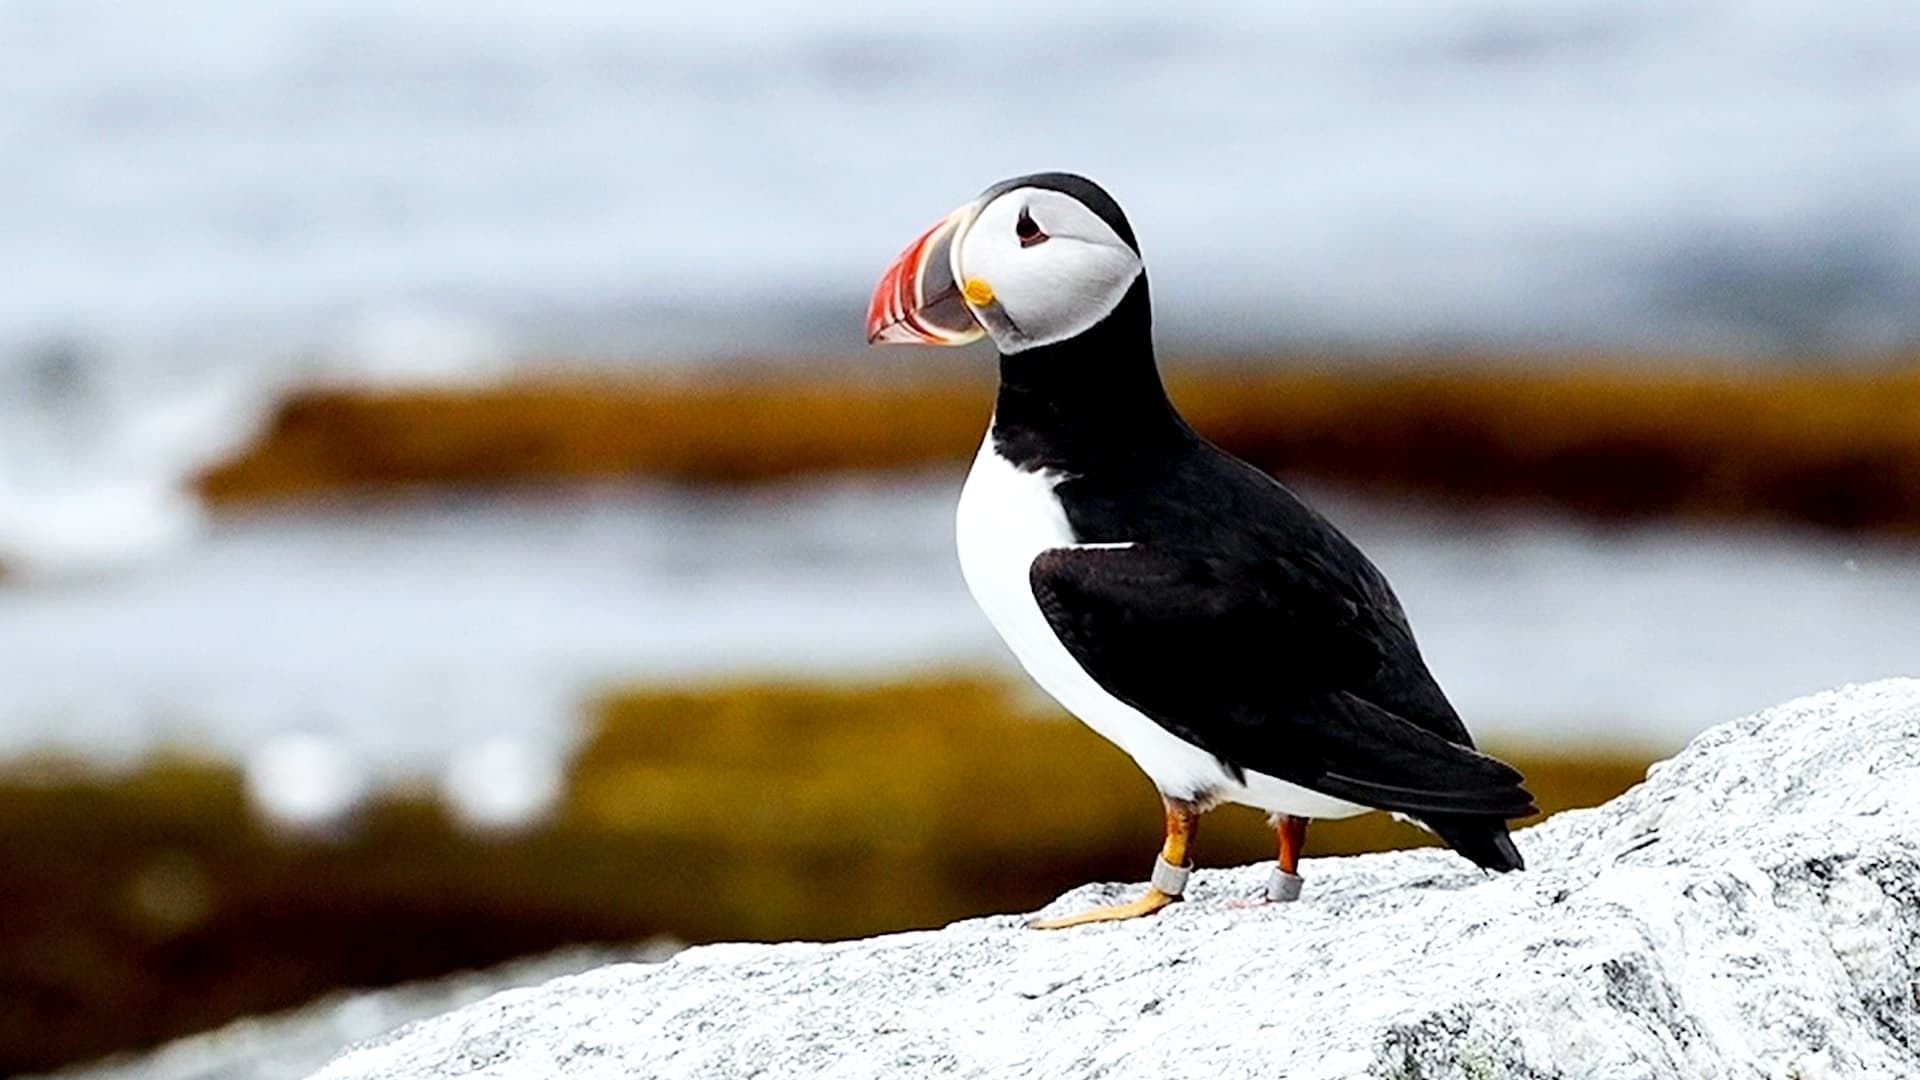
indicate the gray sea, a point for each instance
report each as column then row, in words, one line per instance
column 458, row 641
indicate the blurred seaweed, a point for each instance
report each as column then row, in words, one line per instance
column 1835, row 447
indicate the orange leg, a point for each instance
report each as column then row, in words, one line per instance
column 1293, row 841
column 1285, row 883
column 1183, row 820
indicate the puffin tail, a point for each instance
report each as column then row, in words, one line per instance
column 1484, row 840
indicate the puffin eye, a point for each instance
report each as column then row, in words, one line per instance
column 1027, row 230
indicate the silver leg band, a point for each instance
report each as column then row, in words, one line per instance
column 1282, row 886
column 1168, row 878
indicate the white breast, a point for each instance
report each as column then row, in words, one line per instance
column 1008, row 516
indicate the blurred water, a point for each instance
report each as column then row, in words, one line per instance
column 725, row 178
column 459, row 641
column 206, row 200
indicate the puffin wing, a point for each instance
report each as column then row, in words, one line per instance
column 1262, row 663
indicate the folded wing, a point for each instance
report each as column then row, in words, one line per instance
column 1266, row 663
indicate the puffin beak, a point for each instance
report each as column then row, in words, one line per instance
column 918, row 301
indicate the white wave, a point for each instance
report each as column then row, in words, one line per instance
column 100, row 442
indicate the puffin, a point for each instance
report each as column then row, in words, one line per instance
column 1182, row 603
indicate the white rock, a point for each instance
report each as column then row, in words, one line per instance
column 291, row 1044
column 1752, row 910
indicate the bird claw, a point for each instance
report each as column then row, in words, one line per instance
column 1146, row 904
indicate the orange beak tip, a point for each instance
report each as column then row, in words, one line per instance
column 917, row 300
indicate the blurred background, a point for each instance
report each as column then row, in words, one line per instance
column 448, row 513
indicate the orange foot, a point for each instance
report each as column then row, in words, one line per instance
column 1148, row 902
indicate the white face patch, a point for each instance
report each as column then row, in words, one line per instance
column 1046, row 290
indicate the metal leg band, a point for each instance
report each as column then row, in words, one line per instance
column 1168, row 878
column 1282, row 886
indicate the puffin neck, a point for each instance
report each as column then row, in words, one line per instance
column 1094, row 398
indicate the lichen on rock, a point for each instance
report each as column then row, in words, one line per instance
column 1752, row 909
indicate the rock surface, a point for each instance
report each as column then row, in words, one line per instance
column 1752, row 910
column 291, row 1044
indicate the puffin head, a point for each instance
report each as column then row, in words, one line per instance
column 1033, row 261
